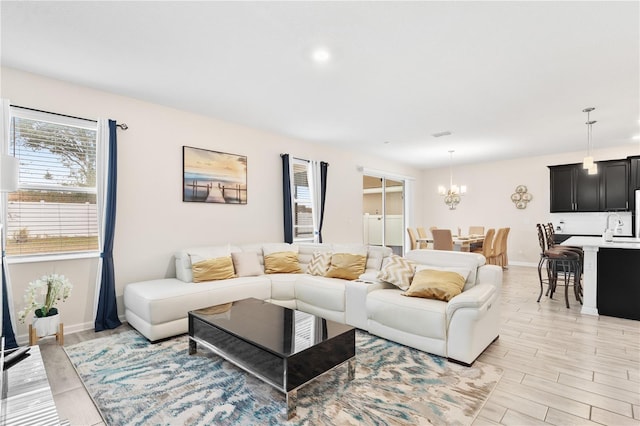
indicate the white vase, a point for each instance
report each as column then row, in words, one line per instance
column 46, row 326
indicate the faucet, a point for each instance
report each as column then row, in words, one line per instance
column 608, row 230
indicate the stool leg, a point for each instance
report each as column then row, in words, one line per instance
column 567, row 278
column 540, row 277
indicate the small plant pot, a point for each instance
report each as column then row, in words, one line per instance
column 46, row 326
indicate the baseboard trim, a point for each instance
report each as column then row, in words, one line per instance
column 23, row 339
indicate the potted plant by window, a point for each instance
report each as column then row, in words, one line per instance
column 52, row 287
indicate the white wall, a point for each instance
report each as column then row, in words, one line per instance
column 152, row 221
column 488, row 203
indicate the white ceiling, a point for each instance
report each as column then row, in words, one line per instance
column 508, row 79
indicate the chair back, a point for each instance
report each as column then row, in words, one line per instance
column 422, row 234
column 541, row 238
column 504, row 261
column 442, row 239
column 413, row 237
column 487, row 244
column 496, row 256
column 476, row 230
column 548, row 232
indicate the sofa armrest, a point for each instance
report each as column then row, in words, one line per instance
column 478, row 297
column 490, row 274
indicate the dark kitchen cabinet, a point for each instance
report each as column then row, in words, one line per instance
column 634, row 168
column 573, row 189
column 562, row 188
column 614, row 185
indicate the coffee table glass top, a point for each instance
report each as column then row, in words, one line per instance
column 282, row 331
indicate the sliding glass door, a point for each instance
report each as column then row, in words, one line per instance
column 383, row 212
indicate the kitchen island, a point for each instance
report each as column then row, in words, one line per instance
column 611, row 280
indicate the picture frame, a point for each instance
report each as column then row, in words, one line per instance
column 213, row 176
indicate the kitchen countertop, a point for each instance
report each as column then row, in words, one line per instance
column 618, row 242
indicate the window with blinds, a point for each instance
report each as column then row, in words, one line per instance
column 302, row 203
column 54, row 210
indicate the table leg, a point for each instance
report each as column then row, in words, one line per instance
column 193, row 347
column 292, row 402
column 33, row 338
column 60, row 334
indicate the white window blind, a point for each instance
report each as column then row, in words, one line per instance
column 302, row 202
column 54, row 209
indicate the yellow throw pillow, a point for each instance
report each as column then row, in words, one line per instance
column 432, row 284
column 284, row 262
column 346, row 266
column 219, row 268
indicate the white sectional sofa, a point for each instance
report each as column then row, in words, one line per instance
column 459, row 329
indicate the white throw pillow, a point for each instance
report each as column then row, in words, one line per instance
column 246, row 264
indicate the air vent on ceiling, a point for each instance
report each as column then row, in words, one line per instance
column 440, row 134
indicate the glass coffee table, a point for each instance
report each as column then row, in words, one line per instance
column 283, row 347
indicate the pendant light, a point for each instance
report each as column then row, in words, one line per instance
column 587, row 162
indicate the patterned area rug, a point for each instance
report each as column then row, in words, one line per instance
column 134, row 382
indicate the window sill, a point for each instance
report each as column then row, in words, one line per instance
column 50, row 257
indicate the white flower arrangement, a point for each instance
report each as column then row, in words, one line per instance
column 53, row 287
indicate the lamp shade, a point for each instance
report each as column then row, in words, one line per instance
column 9, row 168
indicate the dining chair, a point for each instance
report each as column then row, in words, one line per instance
column 495, row 257
column 487, row 244
column 422, row 234
column 476, row 230
column 413, row 237
column 504, row 261
column 442, row 239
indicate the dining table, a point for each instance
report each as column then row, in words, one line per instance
column 460, row 242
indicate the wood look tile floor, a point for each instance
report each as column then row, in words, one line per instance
column 560, row 367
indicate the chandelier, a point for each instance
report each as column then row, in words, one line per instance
column 452, row 194
column 588, row 163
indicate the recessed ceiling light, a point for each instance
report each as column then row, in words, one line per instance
column 321, row 55
column 636, row 137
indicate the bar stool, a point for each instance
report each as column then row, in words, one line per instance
column 562, row 262
column 551, row 245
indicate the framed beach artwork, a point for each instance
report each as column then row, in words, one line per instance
column 213, row 177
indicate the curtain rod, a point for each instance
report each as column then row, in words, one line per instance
column 123, row 126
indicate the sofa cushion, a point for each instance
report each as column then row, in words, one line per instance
column 375, row 257
column 198, row 254
column 168, row 299
column 220, row 268
column 283, row 286
column 282, row 262
column 306, row 251
column 246, row 264
column 346, row 266
column 319, row 263
column 398, row 271
column 279, row 248
column 435, row 284
column 326, row 293
column 422, row 317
